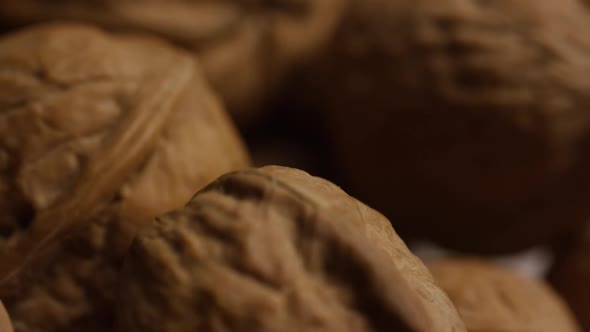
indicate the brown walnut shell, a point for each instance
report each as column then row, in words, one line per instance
column 98, row 134
column 492, row 299
column 275, row 249
column 571, row 276
column 468, row 122
column 244, row 45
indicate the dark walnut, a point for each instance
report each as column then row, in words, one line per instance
column 491, row 299
column 275, row 249
column 5, row 324
column 244, row 45
column 571, row 276
column 98, row 134
column 467, row 121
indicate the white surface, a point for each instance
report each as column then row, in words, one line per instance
column 533, row 263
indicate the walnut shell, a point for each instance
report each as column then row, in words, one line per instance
column 5, row 324
column 275, row 249
column 468, row 121
column 570, row 276
column 244, row 45
column 492, row 299
column 98, row 134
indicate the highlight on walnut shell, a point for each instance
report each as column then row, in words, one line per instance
column 467, row 120
column 5, row 324
column 571, row 273
column 245, row 46
column 99, row 133
column 275, row 249
column 492, row 299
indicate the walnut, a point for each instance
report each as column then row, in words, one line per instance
column 491, row 299
column 275, row 249
column 5, row 325
column 98, row 134
column 571, row 273
column 466, row 120
column 244, row 45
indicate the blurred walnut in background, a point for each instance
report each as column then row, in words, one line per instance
column 491, row 299
column 275, row 249
column 245, row 46
column 466, row 122
column 98, row 134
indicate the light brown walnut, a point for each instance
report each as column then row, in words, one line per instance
column 245, row 45
column 492, row 299
column 465, row 121
column 98, row 134
column 275, row 249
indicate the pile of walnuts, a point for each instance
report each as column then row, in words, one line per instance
column 133, row 135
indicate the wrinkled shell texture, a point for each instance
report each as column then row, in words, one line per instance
column 244, row 45
column 275, row 249
column 491, row 299
column 5, row 324
column 570, row 277
column 466, row 121
column 98, row 134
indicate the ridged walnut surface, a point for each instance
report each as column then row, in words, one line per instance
column 571, row 276
column 98, row 134
column 466, row 121
column 491, row 299
column 244, row 45
column 275, row 249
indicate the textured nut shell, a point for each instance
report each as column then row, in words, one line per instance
column 244, row 45
column 100, row 134
column 491, row 299
column 467, row 120
column 571, row 274
column 5, row 325
column 274, row 249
